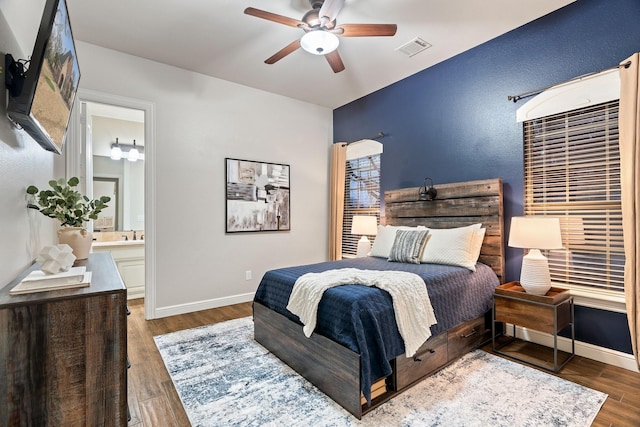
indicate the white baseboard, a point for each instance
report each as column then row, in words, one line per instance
column 174, row 310
column 590, row 351
column 135, row 293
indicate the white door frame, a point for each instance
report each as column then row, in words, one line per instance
column 79, row 163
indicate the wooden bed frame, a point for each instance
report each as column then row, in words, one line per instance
column 335, row 369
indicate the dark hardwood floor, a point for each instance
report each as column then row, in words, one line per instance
column 153, row 400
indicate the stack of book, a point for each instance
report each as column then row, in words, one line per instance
column 377, row 389
column 39, row 281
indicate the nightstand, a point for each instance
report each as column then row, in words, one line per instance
column 549, row 313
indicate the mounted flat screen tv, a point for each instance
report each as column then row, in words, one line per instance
column 41, row 102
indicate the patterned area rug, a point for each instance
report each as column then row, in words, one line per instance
column 225, row 378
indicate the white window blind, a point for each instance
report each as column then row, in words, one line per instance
column 361, row 197
column 572, row 171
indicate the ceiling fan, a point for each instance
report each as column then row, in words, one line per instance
column 321, row 31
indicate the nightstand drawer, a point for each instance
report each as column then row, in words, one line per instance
column 429, row 357
column 466, row 337
column 533, row 316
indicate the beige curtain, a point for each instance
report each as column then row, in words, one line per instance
column 336, row 199
column 629, row 122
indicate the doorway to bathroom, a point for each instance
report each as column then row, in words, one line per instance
column 111, row 150
column 117, row 139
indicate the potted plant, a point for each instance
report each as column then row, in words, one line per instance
column 73, row 209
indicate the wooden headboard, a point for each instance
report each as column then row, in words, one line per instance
column 456, row 205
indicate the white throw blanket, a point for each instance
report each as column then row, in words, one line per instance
column 411, row 303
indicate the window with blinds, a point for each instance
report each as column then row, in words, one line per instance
column 361, row 197
column 572, row 171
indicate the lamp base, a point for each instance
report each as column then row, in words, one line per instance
column 534, row 276
column 364, row 247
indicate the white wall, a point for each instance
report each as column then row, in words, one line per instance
column 22, row 161
column 199, row 121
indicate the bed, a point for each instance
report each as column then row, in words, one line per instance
column 356, row 355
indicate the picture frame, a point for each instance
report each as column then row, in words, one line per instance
column 257, row 196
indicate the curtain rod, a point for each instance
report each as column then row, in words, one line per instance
column 378, row 136
column 516, row 98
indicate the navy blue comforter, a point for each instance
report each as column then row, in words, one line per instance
column 361, row 318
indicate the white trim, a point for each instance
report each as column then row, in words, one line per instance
column 73, row 150
column 363, row 148
column 85, row 95
column 191, row 307
column 579, row 93
column 590, row 351
column 135, row 293
column 601, row 299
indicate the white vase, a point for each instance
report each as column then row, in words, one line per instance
column 78, row 238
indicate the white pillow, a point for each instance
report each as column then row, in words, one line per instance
column 476, row 245
column 454, row 246
column 384, row 239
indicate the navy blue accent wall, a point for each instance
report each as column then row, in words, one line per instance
column 602, row 328
column 452, row 121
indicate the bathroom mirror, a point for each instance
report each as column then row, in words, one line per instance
column 108, row 220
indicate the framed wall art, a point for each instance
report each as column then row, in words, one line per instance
column 257, row 196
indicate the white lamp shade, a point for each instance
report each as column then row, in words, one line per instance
column 364, row 225
column 535, row 232
column 319, row 42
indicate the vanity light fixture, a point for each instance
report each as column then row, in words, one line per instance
column 131, row 152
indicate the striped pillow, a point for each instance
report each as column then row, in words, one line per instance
column 408, row 246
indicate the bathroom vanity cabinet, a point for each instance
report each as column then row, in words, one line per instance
column 129, row 258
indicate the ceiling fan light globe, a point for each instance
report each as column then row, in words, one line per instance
column 319, row 42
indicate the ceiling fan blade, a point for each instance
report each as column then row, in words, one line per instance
column 329, row 10
column 366, row 30
column 335, row 61
column 291, row 47
column 280, row 19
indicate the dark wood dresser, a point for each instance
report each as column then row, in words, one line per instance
column 63, row 353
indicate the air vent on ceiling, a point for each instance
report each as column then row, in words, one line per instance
column 413, row 47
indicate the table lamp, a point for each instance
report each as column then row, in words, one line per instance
column 366, row 226
column 535, row 233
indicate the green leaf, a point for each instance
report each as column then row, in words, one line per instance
column 64, row 203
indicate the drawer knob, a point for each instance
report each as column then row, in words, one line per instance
column 470, row 334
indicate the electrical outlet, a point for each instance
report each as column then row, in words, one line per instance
column 247, row 275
